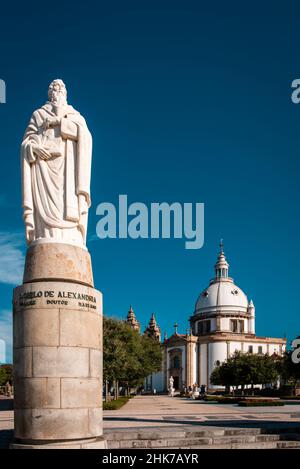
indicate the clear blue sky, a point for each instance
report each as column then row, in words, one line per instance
column 186, row 102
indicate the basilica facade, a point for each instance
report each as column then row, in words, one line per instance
column 223, row 322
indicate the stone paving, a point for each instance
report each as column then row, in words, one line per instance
column 164, row 411
column 6, row 422
column 147, row 411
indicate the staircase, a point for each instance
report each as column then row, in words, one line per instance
column 212, row 438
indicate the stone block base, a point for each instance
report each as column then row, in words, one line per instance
column 57, row 365
column 58, row 261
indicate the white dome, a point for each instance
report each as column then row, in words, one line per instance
column 221, row 293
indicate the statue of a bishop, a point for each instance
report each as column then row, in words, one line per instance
column 56, row 157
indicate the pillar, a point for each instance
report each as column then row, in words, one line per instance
column 57, row 351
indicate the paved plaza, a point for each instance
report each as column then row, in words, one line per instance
column 163, row 411
column 147, row 411
column 162, row 421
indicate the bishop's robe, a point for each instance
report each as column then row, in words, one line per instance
column 56, row 192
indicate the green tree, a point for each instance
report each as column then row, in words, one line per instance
column 290, row 371
column 226, row 374
column 128, row 357
column 243, row 369
column 151, row 357
column 114, row 352
column 5, row 374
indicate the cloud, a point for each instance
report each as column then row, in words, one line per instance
column 6, row 333
column 11, row 257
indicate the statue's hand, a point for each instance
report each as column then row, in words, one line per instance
column 29, row 234
column 41, row 152
column 51, row 122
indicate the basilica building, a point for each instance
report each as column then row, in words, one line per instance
column 222, row 323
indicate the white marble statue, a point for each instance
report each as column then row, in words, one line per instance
column 195, row 391
column 171, row 387
column 56, row 157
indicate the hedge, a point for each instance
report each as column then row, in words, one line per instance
column 260, row 403
column 117, row 404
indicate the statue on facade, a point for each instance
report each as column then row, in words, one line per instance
column 195, row 391
column 171, row 387
column 56, row 157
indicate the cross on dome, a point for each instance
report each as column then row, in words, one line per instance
column 222, row 266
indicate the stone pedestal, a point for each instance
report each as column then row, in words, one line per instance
column 58, row 351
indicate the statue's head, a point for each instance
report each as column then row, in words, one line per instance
column 57, row 92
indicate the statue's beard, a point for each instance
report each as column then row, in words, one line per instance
column 59, row 100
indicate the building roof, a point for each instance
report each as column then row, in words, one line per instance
column 222, row 291
column 221, row 294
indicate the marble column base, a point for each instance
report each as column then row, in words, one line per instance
column 57, row 365
column 58, row 261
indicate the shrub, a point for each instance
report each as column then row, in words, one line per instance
column 268, row 392
column 211, row 398
column 260, row 403
column 228, row 400
column 222, row 399
column 290, row 398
